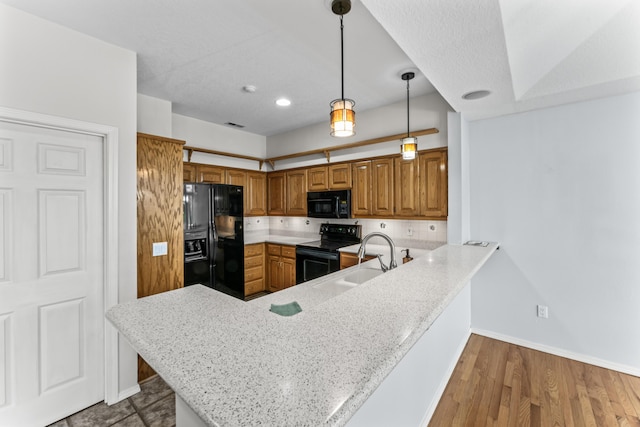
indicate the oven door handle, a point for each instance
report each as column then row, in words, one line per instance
column 318, row 254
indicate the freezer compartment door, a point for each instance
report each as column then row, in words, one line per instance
column 229, row 267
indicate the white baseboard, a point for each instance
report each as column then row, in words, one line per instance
column 128, row 392
column 443, row 384
column 560, row 352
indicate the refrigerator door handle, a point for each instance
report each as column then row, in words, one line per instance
column 214, row 241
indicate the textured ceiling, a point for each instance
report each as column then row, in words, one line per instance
column 199, row 54
column 528, row 53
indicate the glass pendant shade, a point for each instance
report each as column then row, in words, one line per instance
column 409, row 147
column 343, row 118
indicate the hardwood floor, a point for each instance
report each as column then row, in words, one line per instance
column 501, row 384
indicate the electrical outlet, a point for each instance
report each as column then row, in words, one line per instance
column 543, row 311
column 409, row 231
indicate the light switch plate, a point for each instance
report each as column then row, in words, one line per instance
column 159, row 248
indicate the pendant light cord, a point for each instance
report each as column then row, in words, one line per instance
column 407, row 108
column 342, row 55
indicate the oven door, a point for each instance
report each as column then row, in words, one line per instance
column 313, row 263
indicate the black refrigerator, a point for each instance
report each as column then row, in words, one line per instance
column 214, row 237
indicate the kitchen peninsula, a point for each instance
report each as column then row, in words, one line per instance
column 236, row 363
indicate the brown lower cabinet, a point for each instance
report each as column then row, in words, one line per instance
column 254, row 269
column 349, row 260
column 281, row 266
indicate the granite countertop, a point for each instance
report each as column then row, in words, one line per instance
column 236, row 363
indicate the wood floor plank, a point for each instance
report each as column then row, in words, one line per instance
column 632, row 388
column 615, row 390
column 501, row 384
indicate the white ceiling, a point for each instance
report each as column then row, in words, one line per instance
column 198, row 54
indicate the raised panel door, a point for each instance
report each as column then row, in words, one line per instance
column 188, row 172
column 52, row 276
column 288, row 272
column 433, row 184
column 236, row 177
column 275, row 278
column 210, row 174
column 340, row 176
column 382, row 194
column 276, row 192
column 256, row 194
column 317, row 179
column 296, row 194
column 361, row 191
column 407, row 202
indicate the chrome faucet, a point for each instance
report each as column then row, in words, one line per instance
column 392, row 246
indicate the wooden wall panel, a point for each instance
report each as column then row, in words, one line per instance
column 159, row 208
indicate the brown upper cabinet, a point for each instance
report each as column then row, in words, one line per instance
column 433, row 183
column 276, row 203
column 382, row 180
column 210, row 174
column 296, row 192
column 361, row 192
column 384, row 187
column 331, row 177
column 256, row 194
column 287, row 193
column 340, row 176
column 392, row 187
column 189, row 172
column 236, row 177
column 318, row 178
column 406, row 180
column 372, row 193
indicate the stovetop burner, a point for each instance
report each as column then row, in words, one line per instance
column 335, row 236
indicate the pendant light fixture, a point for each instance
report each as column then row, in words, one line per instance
column 343, row 118
column 409, row 143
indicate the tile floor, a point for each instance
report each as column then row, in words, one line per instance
column 154, row 406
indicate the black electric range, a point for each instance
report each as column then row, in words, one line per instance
column 320, row 257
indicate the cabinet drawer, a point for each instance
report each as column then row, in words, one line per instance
column 252, row 273
column 273, row 249
column 253, row 286
column 253, row 250
column 289, row 251
column 254, row 261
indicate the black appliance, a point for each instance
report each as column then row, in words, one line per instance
column 329, row 204
column 214, row 237
column 320, row 257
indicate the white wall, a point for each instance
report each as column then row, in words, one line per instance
column 560, row 190
column 154, row 116
column 428, row 111
column 52, row 70
column 201, row 134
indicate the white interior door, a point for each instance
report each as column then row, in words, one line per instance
column 51, row 274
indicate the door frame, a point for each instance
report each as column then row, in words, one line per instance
column 109, row 135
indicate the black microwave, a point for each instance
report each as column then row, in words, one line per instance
column 329, row 204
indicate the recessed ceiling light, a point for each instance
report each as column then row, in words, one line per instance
column 476, row 94
column 283, row 102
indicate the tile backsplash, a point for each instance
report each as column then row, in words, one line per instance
column 396, row 229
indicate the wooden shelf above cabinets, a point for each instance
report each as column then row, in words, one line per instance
column 326, row 152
